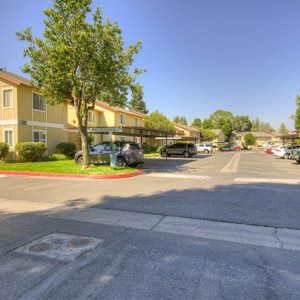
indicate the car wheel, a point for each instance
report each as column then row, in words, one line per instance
column 186, row 154
column 286, row 156
column 206, row 151
column 121, row 162
column 133, row 165
column 79, row 160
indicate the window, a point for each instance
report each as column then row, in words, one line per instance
column 136, row 122
column 39, row 102
column 9, row 137
column 39, row 136
column 91, row 117
column 7, row 98
column 122, row 138
column 122, row 119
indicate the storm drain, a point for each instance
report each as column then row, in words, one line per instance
column 60, row 246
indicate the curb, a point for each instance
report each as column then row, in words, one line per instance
column 82, row 176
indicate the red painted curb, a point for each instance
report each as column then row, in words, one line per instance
column 63, row 175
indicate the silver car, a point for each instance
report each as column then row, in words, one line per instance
column 128, row 154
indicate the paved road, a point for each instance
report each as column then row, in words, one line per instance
column 222, row 226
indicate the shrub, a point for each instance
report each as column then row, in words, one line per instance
column 149, row 148
column 66, row 148
column 249, row 139
column 56, row 157
column 31, row 151
column 3, row 151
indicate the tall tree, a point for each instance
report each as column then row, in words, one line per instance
column 77, row 61
column 158, row 120
column 137, row 99
column 180, row 120
column 262, row 126
column 221, row 116
column 242, row 123
column 207, row 124
column 297, row 113
column 283, row 129
column 197, row 123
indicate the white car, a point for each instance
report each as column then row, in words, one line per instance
column 205, row 148
column 285, row 151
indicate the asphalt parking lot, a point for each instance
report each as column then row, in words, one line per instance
column 222, row 226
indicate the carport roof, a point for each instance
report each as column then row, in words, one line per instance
column 131, row 131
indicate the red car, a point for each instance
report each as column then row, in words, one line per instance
column 236, row 148
column 269, row 150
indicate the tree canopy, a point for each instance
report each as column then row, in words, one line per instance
column 137, row 99
column 207, row 134
column 158, row 120
column 258, row 125
column 197, row 123
column 297, row 113
column 283, row 129
column 78, row 61
column 180, row 120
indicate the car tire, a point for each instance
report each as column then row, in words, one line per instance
column 206, row 151
column 286, row 156
column 186, row 154
column 79, row 160
column 134, row 165
column 121, row 162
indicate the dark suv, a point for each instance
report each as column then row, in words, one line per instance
column 128, row 154
column 185, row 149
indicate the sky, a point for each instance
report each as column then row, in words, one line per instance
column 200, row 55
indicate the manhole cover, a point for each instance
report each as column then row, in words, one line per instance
column 42, row 247
column 60, row 246
column 80, row 242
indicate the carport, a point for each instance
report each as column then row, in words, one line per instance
column 140, row 132
column 291, row 138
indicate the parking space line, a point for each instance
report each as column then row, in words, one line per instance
column 178, row 176
column 233, row 164
column 268, row 180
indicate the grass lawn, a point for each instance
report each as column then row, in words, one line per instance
column 63, row 166
column 151, row 154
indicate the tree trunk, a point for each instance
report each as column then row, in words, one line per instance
column 85, row 147
column 82, row 123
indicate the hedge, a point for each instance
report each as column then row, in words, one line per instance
column 31, row 151
column 3, row 151
column 67, row 149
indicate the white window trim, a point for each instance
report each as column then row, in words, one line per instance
column 35, row 109
column 122, row 123
column 13, row 136
column 12, row 97
column 39, row 130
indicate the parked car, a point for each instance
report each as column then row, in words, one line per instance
column 128, row 154
column 270, row 149
column 236, row 148
column 185, row 149
column 285, row 151
column 205, row 148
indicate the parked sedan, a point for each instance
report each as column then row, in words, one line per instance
column 236, row 148
column 185, row 149
column 128, row 154
column 285, row 151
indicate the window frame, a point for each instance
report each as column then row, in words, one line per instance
column 39, row 131
column 37, row 109
column 122, row 116
column 12, row 137
column 12, row 97
column 93, row 119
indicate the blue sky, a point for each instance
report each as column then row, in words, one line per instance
column 201, row 55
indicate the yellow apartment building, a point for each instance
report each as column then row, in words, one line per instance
column 26, row 116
